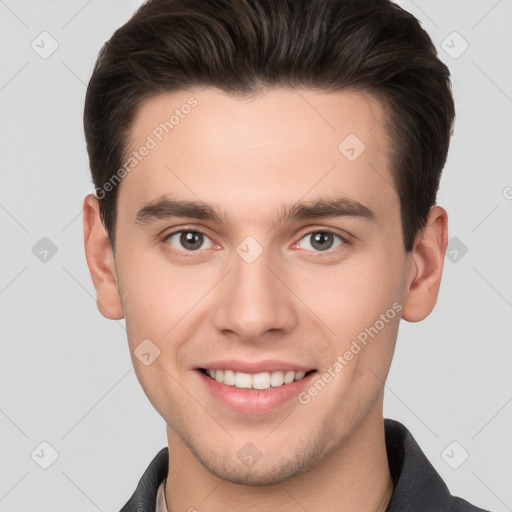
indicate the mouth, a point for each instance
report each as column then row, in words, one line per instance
column 254, row 393
column 255, row 381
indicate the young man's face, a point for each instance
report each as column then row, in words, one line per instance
column 252, row 289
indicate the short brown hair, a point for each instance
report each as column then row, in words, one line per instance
column 245, row 46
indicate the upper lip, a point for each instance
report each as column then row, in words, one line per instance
column 255, row 367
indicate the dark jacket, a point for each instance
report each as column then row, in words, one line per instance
column 417, row 485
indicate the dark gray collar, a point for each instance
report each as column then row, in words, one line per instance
column 417, row 485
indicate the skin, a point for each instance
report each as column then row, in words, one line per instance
column 294, row 302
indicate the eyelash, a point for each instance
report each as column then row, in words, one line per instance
column 186, row 253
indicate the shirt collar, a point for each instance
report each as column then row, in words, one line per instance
column 161, row 504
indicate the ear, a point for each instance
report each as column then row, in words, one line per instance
column 100, row 260
column 425, row 267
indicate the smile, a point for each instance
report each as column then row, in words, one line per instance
column 263, row 380
column 254, row 393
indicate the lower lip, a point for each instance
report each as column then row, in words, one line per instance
column 255, row 401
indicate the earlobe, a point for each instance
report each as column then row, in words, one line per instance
column 425, row 269
column 100, row 261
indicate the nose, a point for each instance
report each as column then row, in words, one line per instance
column 253, row 300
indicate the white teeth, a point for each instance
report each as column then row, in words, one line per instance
column 243, row 380
column 263, row 380
column 289, row 377
column 276, row 379
column 229, row 377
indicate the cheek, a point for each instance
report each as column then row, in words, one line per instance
column 352, row 296
column 156, row 301
column 156, row 294
column 360, row 304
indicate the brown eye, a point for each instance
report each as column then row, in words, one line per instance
column 187, row 240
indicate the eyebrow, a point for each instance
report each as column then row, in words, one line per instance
column 164, row 207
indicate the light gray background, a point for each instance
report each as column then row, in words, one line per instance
column 66, row 373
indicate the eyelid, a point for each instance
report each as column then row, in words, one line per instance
column 309, row 230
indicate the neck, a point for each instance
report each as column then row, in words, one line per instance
column 353, row 477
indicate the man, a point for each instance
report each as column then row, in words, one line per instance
column 266, row 175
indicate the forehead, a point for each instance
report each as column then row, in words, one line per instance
column 279, row 146
column 271, row 117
